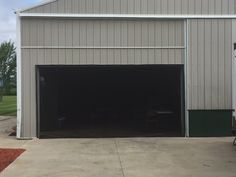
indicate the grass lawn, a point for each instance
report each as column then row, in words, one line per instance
column 8, row 106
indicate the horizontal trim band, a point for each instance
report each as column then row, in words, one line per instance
column 101, row 47
column 125, row 16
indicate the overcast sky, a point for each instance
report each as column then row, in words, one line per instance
column 8, row 18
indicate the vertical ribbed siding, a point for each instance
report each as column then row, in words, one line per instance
column 97, row 33
column 210, row 60
column 106, row 42
column 81, row 42
column 138, row 7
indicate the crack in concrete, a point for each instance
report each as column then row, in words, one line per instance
column 117, row 151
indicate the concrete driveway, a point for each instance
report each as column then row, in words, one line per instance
column 127, row 157
column 131, row 157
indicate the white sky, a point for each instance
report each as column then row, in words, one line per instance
column 8, row 18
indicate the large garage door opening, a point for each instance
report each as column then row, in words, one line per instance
column 110, row 101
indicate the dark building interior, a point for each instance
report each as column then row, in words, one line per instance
column 110, row 101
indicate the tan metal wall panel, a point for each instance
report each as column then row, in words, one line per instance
column 33, row 31
column 221, row 53
column 231, row 7
column 47, row 56
column 68, row 57
column 107, row 56
column 71, row 42
column 60, row 6
column 177, row 6
column 193, row 67
column 205, row 7
column 40, row 33
column 210, row 61
column 200, row 62
column 224, row 7
column 54, row 7
column 191, row 7
column 157, row 6
column 171, row 6
column 138, row 7
column 217, row 7
column 164, row 7
column 55, row 57
column 40, row 57
column 32, row 76
column 62, row 56
column 228, row 64
column 95, row 33
column 211, row 64
column 26, row 121
column 215, row 65
column 25, row 30
column 54, row 32
column 198, row 7
column 184, row 7
column 47, row 34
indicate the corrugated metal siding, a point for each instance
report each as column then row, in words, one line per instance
column 66, row 42
column 105, row 42
column 102, row 33
column 138, row 7
column 210, row 64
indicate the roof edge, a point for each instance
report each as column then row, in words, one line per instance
column 34, row 6
column 122, row 16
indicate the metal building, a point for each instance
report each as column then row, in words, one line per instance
column 176, row 50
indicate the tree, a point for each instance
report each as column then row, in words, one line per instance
column 7, row 66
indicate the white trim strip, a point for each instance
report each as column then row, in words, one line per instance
column 102, row 47
column 19, row 96
column 35, row 6
column 233, row 68
column 129, row 16
column 186, row 31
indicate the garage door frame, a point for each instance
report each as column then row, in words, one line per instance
column 182, row 90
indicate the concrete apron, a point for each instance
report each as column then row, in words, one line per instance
column 129, row 157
